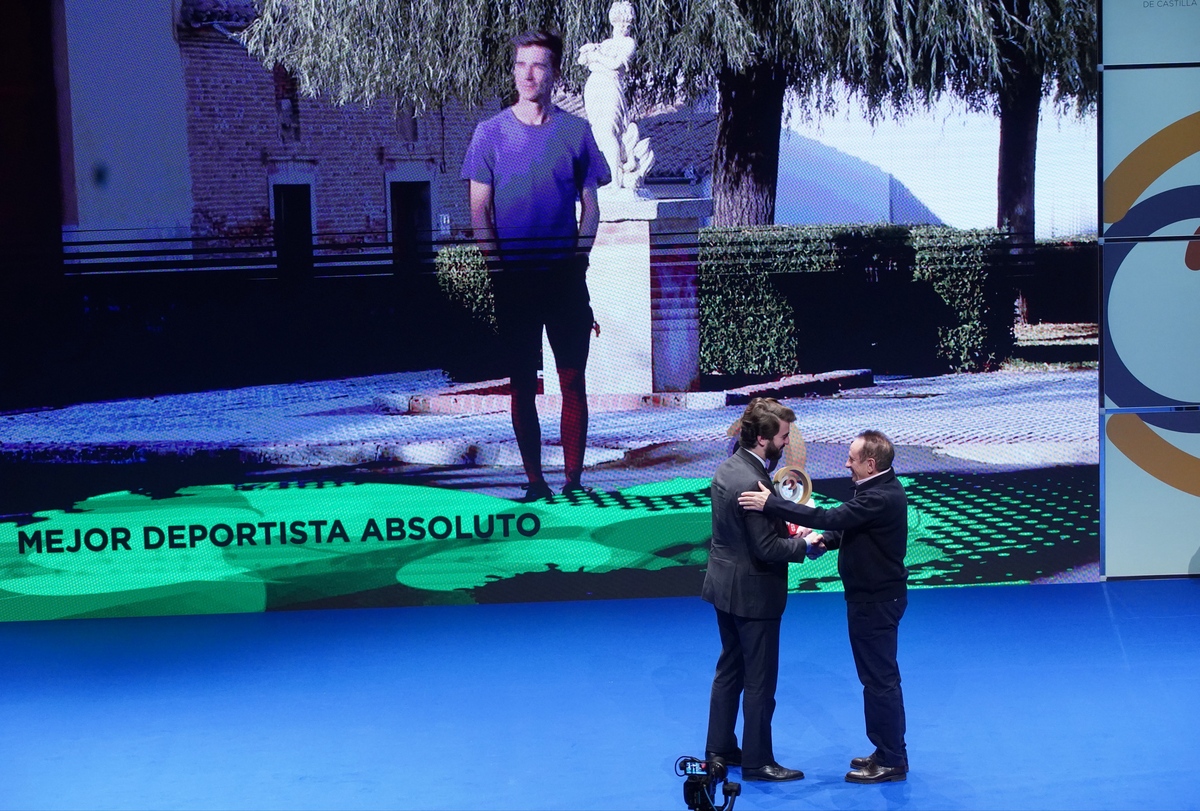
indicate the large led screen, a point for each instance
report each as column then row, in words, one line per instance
column 263, row 374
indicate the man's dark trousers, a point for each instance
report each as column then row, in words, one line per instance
column 756, row 643
column 873, row 627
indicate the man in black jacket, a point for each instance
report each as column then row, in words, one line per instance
column 746, row 581
column 871, row 533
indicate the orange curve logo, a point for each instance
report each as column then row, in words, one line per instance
column 1130, row 433
column 1153, row 454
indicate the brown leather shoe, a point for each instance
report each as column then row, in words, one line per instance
column 773, row 773
column 874, row 773
column 862, row 762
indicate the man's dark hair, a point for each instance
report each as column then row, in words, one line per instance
column 761, row 419
column 546, row 39
column 878, row 447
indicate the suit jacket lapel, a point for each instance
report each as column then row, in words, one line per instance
column 756, row 464
column 760, row 471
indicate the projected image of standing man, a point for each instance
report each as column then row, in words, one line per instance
column 528, row 166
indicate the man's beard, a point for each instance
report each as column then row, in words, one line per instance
column 772, row 455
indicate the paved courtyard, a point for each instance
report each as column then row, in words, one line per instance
column 995, row 421
column 1000, row 466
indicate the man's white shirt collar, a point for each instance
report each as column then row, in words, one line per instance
column 875, row 476
column 765, row 463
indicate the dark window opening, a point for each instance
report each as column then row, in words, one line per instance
column 412, row 213
column 293, row 230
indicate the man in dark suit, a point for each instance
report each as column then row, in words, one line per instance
column 746, row 581
column 871, row 533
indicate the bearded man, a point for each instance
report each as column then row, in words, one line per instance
column 746, row 581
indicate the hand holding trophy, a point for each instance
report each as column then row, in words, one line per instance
column 794, row 485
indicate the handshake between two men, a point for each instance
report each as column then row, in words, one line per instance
column 870, row 534
column 756, row 500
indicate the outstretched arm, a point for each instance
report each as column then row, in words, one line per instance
column 766, row 544
column 854, row 513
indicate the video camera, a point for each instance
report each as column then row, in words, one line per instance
column 700, row 785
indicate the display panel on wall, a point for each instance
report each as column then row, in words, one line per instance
column 1150, row 32
column 264, row 374
column 1150, row 287
column 1152, row 487
column 1151, row 139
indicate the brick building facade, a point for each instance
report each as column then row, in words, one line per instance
column 372, row 173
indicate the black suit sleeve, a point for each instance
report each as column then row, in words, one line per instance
column 832, row 538
column 855, row 513
column 765, row 542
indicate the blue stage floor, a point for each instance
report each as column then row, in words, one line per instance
column 1019, row 697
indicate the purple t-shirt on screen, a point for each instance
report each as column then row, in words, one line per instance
column 536, row 174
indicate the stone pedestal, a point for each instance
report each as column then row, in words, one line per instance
column 642, row 279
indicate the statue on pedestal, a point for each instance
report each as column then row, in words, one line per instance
column 629, row 157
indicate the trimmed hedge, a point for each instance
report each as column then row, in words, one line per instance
column 881, row 278
column 462, row 275
column 750, row 292
column 756, row 284
column 746, row 324
column 961, row 266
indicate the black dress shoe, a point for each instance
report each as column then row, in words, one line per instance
column 862, row 762
column 536, row 491
column 773, row 773
column 733, row 758
column 874, row 773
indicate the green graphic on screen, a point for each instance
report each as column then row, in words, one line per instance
column 285, row 545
